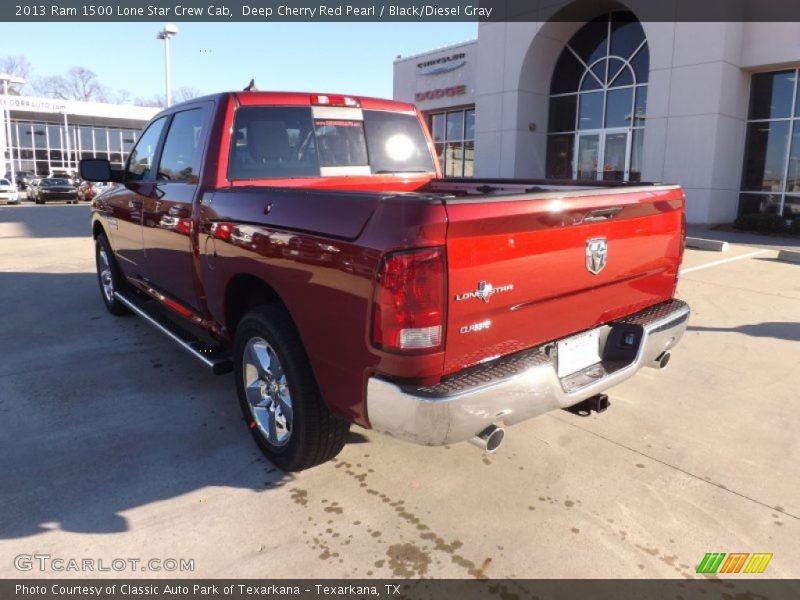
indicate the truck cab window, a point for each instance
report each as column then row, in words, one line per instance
column 341, row 143
column 180, row 158
column 140, row 161
column 286, row 141
column 273, row 142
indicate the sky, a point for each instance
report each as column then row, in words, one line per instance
column 353, row 58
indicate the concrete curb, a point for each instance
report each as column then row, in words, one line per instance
column 702, row 244
column 792, row 256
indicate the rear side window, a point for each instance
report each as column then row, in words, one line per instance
column 180, row 158
column 286, row 142
column 140, row 162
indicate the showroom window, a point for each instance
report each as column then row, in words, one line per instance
column 771, row 170
column 454, row 135
column 598, row 99
column 43, row 147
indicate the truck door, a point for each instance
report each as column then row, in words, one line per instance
column 125, row 202
column 167, row 213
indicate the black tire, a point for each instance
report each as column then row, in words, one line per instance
column 117, row 280
column 316, row 435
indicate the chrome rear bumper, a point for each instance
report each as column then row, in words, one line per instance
column 521, row 386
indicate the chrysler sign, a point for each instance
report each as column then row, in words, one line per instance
column 444, row 64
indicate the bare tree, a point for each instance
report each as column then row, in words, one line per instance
column 182, row 94
column 17, row 66
column 122, row 97
column 158, row 101
column 186, row 93
column 50, row 86
column 79, row 84
column 82, row 84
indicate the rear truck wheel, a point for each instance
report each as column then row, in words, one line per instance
column 279, row 396
column 108, row 276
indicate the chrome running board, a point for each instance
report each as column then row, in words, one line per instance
column 211, row 357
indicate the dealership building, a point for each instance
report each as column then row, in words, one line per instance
column 43, row 135
column 712, row 106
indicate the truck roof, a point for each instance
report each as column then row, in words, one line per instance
column 301, row 99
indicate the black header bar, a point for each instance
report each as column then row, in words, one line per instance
column 390, row 11
column 744, row 587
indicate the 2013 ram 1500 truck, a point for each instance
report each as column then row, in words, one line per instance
column 309, row 243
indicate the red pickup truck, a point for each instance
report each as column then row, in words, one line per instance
column 308, row 243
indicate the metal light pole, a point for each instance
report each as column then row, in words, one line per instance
column 6, row 124
column 165, row 34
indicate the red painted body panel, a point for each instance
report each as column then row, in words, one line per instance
column 539, row 247
column 325, row 280
column 318, row 243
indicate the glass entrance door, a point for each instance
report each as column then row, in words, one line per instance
column 603, row 155
column 587, row 158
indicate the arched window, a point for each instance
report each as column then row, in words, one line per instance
column 598, row 97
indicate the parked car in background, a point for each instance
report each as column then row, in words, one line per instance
column 85, row 191
column 65, row 174
column 24, row 178
column 100, row 188
column 8, row 192
column 32, row 188
column 21, row 178
column 56, row 188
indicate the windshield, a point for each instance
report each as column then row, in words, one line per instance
column 5, row 182
column 286, row 142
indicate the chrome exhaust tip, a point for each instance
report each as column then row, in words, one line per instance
column 490, row 439
column 662, row 360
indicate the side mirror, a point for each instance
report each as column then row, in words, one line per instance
column 99, row 169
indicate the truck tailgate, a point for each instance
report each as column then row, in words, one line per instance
column 520, row 267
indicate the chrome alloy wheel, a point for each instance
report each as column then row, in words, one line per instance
column 106, row 277
column 267, row 392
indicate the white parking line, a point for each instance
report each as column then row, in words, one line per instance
column 723, row 261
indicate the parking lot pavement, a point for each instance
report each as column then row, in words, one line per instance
column 116, row 444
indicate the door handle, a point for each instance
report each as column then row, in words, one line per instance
column 601, row 214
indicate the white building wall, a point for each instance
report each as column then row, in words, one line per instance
column 697, row 104
column 410, row 79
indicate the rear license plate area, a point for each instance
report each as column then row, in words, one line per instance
column 578, row 352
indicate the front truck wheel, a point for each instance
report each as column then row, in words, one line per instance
column 108, row 276
column 278, row 393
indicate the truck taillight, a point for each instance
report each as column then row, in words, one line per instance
column 329, row 100
column 681, row 249
column 409, row 306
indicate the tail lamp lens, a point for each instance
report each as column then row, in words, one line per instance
column 410, row 301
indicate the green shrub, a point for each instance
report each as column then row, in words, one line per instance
column 746, row 222
column 761, row 223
